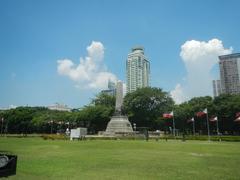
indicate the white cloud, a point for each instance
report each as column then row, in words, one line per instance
column 12, row 106
column 90, row 72
column 199, row 57
column 177, row 94
column 9, row 107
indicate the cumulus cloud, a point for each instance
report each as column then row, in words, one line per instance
column 199, row 58
column 90, row 72
column 177, row 94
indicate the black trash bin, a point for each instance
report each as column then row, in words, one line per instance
column 8, row 165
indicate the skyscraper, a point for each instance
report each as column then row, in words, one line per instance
column 111, row 91
column 230, row 73
column 138, row 69
column 216, row 88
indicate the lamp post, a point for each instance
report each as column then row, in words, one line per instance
column 134, row 126
column 208, row 129
column 68, row 124
column 2, row 125
column 174, row 129
column 193, row 127
column 6, row 129
column 51, row 123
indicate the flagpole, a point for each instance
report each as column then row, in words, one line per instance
column 193, row 126
column 173, row 126
column 208, row 127
column 1, row 126
column 217, row 128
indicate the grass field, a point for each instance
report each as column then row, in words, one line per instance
column 123, row 159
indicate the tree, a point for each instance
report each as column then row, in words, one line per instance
column 225, row 107
column 96, row 115
column 19, row 120
column 188, row 110
column 104, row 100
column 35, row 119
column 183, row 112
column 95, row 118
column 144, row 106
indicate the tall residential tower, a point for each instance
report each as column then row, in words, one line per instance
column 138, row 69
column 111, row 91
column 216, row 88
column 230, row 73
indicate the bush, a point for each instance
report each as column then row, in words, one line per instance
column 205, row 138
column 54, row 137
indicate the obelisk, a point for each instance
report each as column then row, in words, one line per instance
column 119, row 123
column 119, row 97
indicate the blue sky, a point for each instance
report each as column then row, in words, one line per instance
column 34, row 35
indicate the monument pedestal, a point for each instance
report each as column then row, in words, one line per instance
column 118, row 124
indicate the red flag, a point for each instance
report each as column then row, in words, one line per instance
column 237, row 120
column 168, row 115
column 201, row 113
column 214, row 119
column 237, row 114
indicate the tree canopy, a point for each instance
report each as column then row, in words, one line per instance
column 144, row 106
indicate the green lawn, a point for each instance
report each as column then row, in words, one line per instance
column 123, row 159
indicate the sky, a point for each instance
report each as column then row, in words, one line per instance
column 65, row 51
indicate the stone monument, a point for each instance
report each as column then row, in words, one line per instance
column 119, row 123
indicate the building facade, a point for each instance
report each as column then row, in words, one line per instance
column 216, row 88
column 137, row 69
column 230, row 73
column 111, row 91
column 59, row 107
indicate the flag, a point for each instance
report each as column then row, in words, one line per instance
column 168, row 115
column 190, row 120
column 214, row 119
column 237, row 114
column 237, row 120
column 201, row 113
column 205, row 110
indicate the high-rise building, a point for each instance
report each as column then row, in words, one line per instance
column 216, row 88
column 138, row 69
column 230, row 73
column 111, row 91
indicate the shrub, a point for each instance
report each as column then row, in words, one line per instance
column 54, row 137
